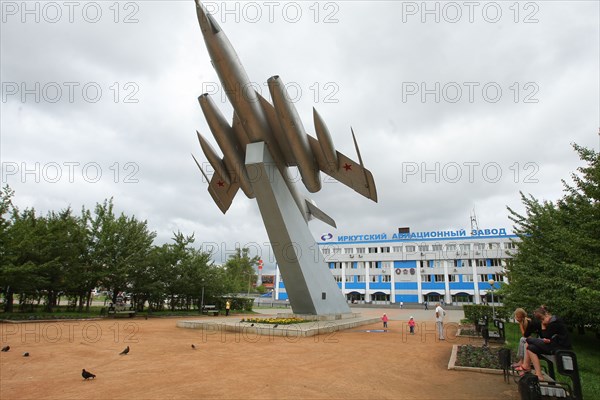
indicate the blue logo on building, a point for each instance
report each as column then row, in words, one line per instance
column 326, row 237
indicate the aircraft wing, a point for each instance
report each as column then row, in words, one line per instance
column 349, row 172
column 221, row 191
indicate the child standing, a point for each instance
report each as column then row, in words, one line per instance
column 411, row 325
column 385, row 320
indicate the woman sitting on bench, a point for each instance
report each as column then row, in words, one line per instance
column 528, row 327
column 553, row 336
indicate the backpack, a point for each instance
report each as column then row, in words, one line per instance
column 529, row 387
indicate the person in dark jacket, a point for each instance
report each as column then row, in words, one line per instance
column 553, row 336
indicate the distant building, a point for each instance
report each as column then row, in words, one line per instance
column 418, row 267
column 268, row 281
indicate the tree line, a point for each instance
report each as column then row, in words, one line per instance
column 44, row 257
column 558, row 259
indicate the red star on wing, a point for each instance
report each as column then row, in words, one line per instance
column 348, row 167
column 221, row 183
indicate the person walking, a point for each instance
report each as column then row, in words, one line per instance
column 384, row 318
column 401, row 304
column 411, row 325
column 227, row 308
column 440, row 313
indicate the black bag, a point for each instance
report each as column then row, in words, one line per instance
column 529, row 387
column 504, row 360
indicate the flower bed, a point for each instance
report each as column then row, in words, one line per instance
column 273, row 321
column 477, row 357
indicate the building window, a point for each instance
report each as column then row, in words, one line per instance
column 452, row 278
column 465, row 247
column 439, row 278
column 426, row 278
column 424, row 247
column 337, row 250
column 386, row 278
column 360, row 250
column 510, row 245
column 373, row 278
column 385, row 249
column 450, row 247
column 338, row 278
column 348, row 250
column 409, row 249
column 397, row 249
column 493, row 246
column 496, row 262
column 350, row 278
column 436, row 247
column 483, row 277
column 479, row 246
column 458, row 263
column 372, row 249
column 468, row 278
column 361, row 278
column 480, row 262
column 326, row 250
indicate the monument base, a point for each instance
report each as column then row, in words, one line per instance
column 316, row 325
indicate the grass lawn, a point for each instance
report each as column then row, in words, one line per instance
column 586, row 348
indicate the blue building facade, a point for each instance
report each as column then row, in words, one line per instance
column 446, row 266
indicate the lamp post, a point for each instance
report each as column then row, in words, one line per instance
column 492, row 282
column 202, row 298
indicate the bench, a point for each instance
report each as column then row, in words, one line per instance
column 210, row 309
column 566, row 364
column 487, row 335
column 121, row 310
column 500, row 335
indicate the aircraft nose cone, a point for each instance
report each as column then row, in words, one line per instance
column 206, row 21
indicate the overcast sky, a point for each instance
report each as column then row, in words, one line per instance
column 457, row 106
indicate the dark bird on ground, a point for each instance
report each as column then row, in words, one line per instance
column 251, row 324
column 193, row 347
column 5, row 348
column 124, row 351
column 26, row 354
column 87, row 375
column 275, row 326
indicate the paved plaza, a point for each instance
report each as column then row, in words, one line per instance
column 360, row 363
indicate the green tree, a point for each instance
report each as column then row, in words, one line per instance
column 118, row 246
column 6, row 195
column 558, row 258
column 239, row 270
column 62, row 243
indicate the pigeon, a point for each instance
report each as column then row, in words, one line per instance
column 5, row 348
column 275, row 326
column 124, row 351
column 26, row 354
column 87, row 375
column 251, row 324
column 193, row 347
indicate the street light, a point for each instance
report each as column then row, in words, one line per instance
column 202, row 298
column 491, row 282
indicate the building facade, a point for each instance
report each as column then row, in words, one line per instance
column 445, row 266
